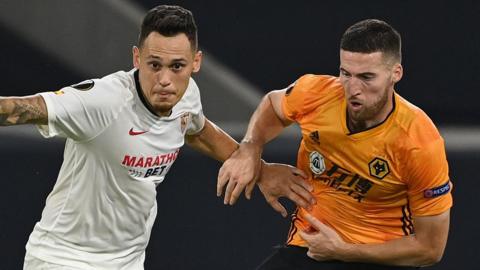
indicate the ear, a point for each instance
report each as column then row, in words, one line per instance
column 136, row 57
column 197, row 61
column 397, row 72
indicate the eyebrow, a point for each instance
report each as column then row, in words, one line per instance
column 174, row 60
column 364, row 74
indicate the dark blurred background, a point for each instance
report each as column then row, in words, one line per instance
column 266, row 45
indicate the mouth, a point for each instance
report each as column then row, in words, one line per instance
column 355, row 105
column 162, row 94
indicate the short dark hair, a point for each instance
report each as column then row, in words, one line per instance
column 169, row 21
column 370, row 36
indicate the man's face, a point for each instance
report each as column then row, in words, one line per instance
column 165, row 65
column 368, row 80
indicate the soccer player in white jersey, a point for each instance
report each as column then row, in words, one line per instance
column 124, row 132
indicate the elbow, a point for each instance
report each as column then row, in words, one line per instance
column 431, row 257
column 189, row 140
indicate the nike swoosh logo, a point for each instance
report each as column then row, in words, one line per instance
column 135, row 133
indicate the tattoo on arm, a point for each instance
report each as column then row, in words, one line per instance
column 23, row 110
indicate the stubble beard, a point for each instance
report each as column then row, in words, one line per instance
column 358, row 120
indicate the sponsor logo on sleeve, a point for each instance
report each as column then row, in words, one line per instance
column 437, row 191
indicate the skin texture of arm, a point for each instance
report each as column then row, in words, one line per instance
column 213, row 142
column 23, row 110
column 243, row 168
column 267, row 121
column 424, row 248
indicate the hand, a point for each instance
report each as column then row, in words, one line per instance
column 280, row 180
column 240, row 171
column 324, row 243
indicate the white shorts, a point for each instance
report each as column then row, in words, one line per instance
column 32, row 263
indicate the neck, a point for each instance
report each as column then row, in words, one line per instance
column 356, row 126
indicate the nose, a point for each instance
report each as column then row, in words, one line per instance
column 353, row 87
column 163, row 78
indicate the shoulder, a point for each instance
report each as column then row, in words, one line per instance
column 192, row 94
column 121, row 82
column 316, row 89
column 106, row 95
column 416, row 124
column 316, row 83
column 192, row 89
column 118, row 81
column 420, row 149
column 113, row 88
column 311, row 93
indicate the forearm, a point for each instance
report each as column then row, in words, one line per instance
column 241, row 170
column 425, row 247
column 22, row 110
column 265, row 124
column 213, row 142
column 406, row 251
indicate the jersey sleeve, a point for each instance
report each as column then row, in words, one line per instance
column 305, row 95
column 429, row 186
column 197, row 123
column 81, row 111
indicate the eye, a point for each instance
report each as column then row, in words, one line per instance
column 366, row 77
column 344, row 73
column 177, row 66
column 154, row 65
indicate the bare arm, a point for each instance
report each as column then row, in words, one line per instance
column 243, row 168
column 424, row 248
column 23, row 110
column 267, row 121
column 213, row 142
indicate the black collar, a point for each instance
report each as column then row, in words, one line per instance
column 141, row 94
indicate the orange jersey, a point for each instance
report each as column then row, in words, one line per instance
column 368, row 185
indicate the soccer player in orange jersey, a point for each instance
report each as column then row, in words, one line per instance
column 376, row 162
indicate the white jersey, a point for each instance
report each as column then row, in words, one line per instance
column 101, row 210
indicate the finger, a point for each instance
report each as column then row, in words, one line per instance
column 228, row 191
column 305, row 236
column 236, row 193
column 221, row 180
column 249, row 190
column 304, row 183
column 299, row 172
column 310, row 254
column 278, row 207
column 317, row 224
column 303, row 193
column 298, row 200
